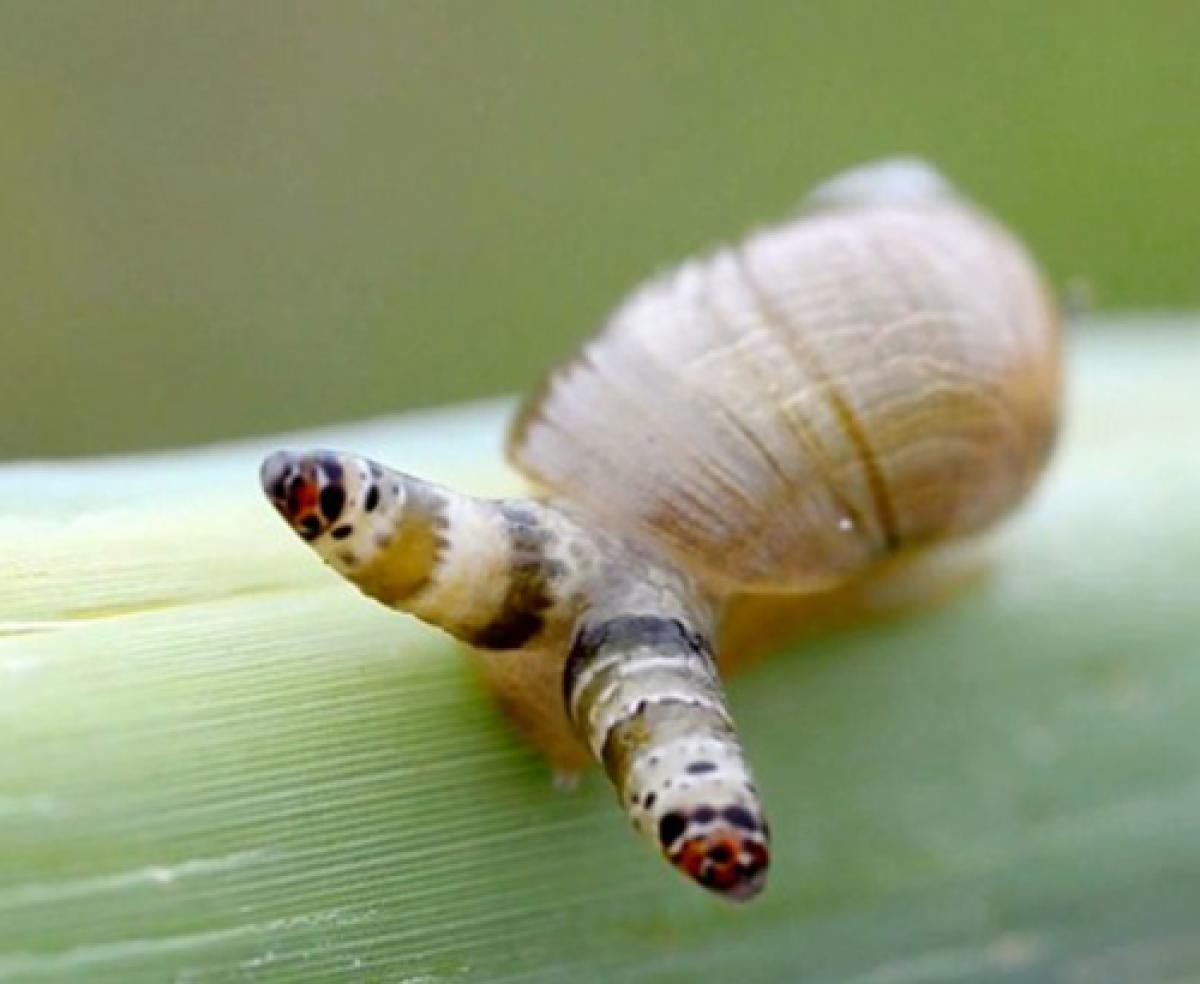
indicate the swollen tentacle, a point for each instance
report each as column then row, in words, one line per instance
column 628, row 634
column 490, row 573
column 643, row 692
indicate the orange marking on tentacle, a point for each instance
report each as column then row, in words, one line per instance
column 724, row 860
column 303, row 497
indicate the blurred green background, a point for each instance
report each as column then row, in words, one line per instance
column 225, row 218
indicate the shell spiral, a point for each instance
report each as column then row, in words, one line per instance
column 880, row 371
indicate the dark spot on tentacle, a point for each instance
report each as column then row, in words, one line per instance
column 372, row 499
column 333, row 500
column 670, row 827
column 704, row 814
column 330, row 466
column 279, row 487
column 310, row 527
column 341, row 532
column 739, row 816
column 699, row 768
column 651, row 799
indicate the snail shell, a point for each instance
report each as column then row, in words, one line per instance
column 878, row 372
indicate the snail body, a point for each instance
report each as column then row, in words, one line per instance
column 789, row 414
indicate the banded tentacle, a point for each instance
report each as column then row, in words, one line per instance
column 626, row 631
column 642, row 690
column 490, row 573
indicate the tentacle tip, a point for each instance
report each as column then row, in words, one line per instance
column 727, row 863
column 728, row 857
column 273, row 474
column 307, row 490
column 747, row 887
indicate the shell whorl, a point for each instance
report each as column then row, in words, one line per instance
column 879, row 371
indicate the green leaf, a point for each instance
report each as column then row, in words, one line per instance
column 220, row 762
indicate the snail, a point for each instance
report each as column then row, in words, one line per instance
column 878, row 374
